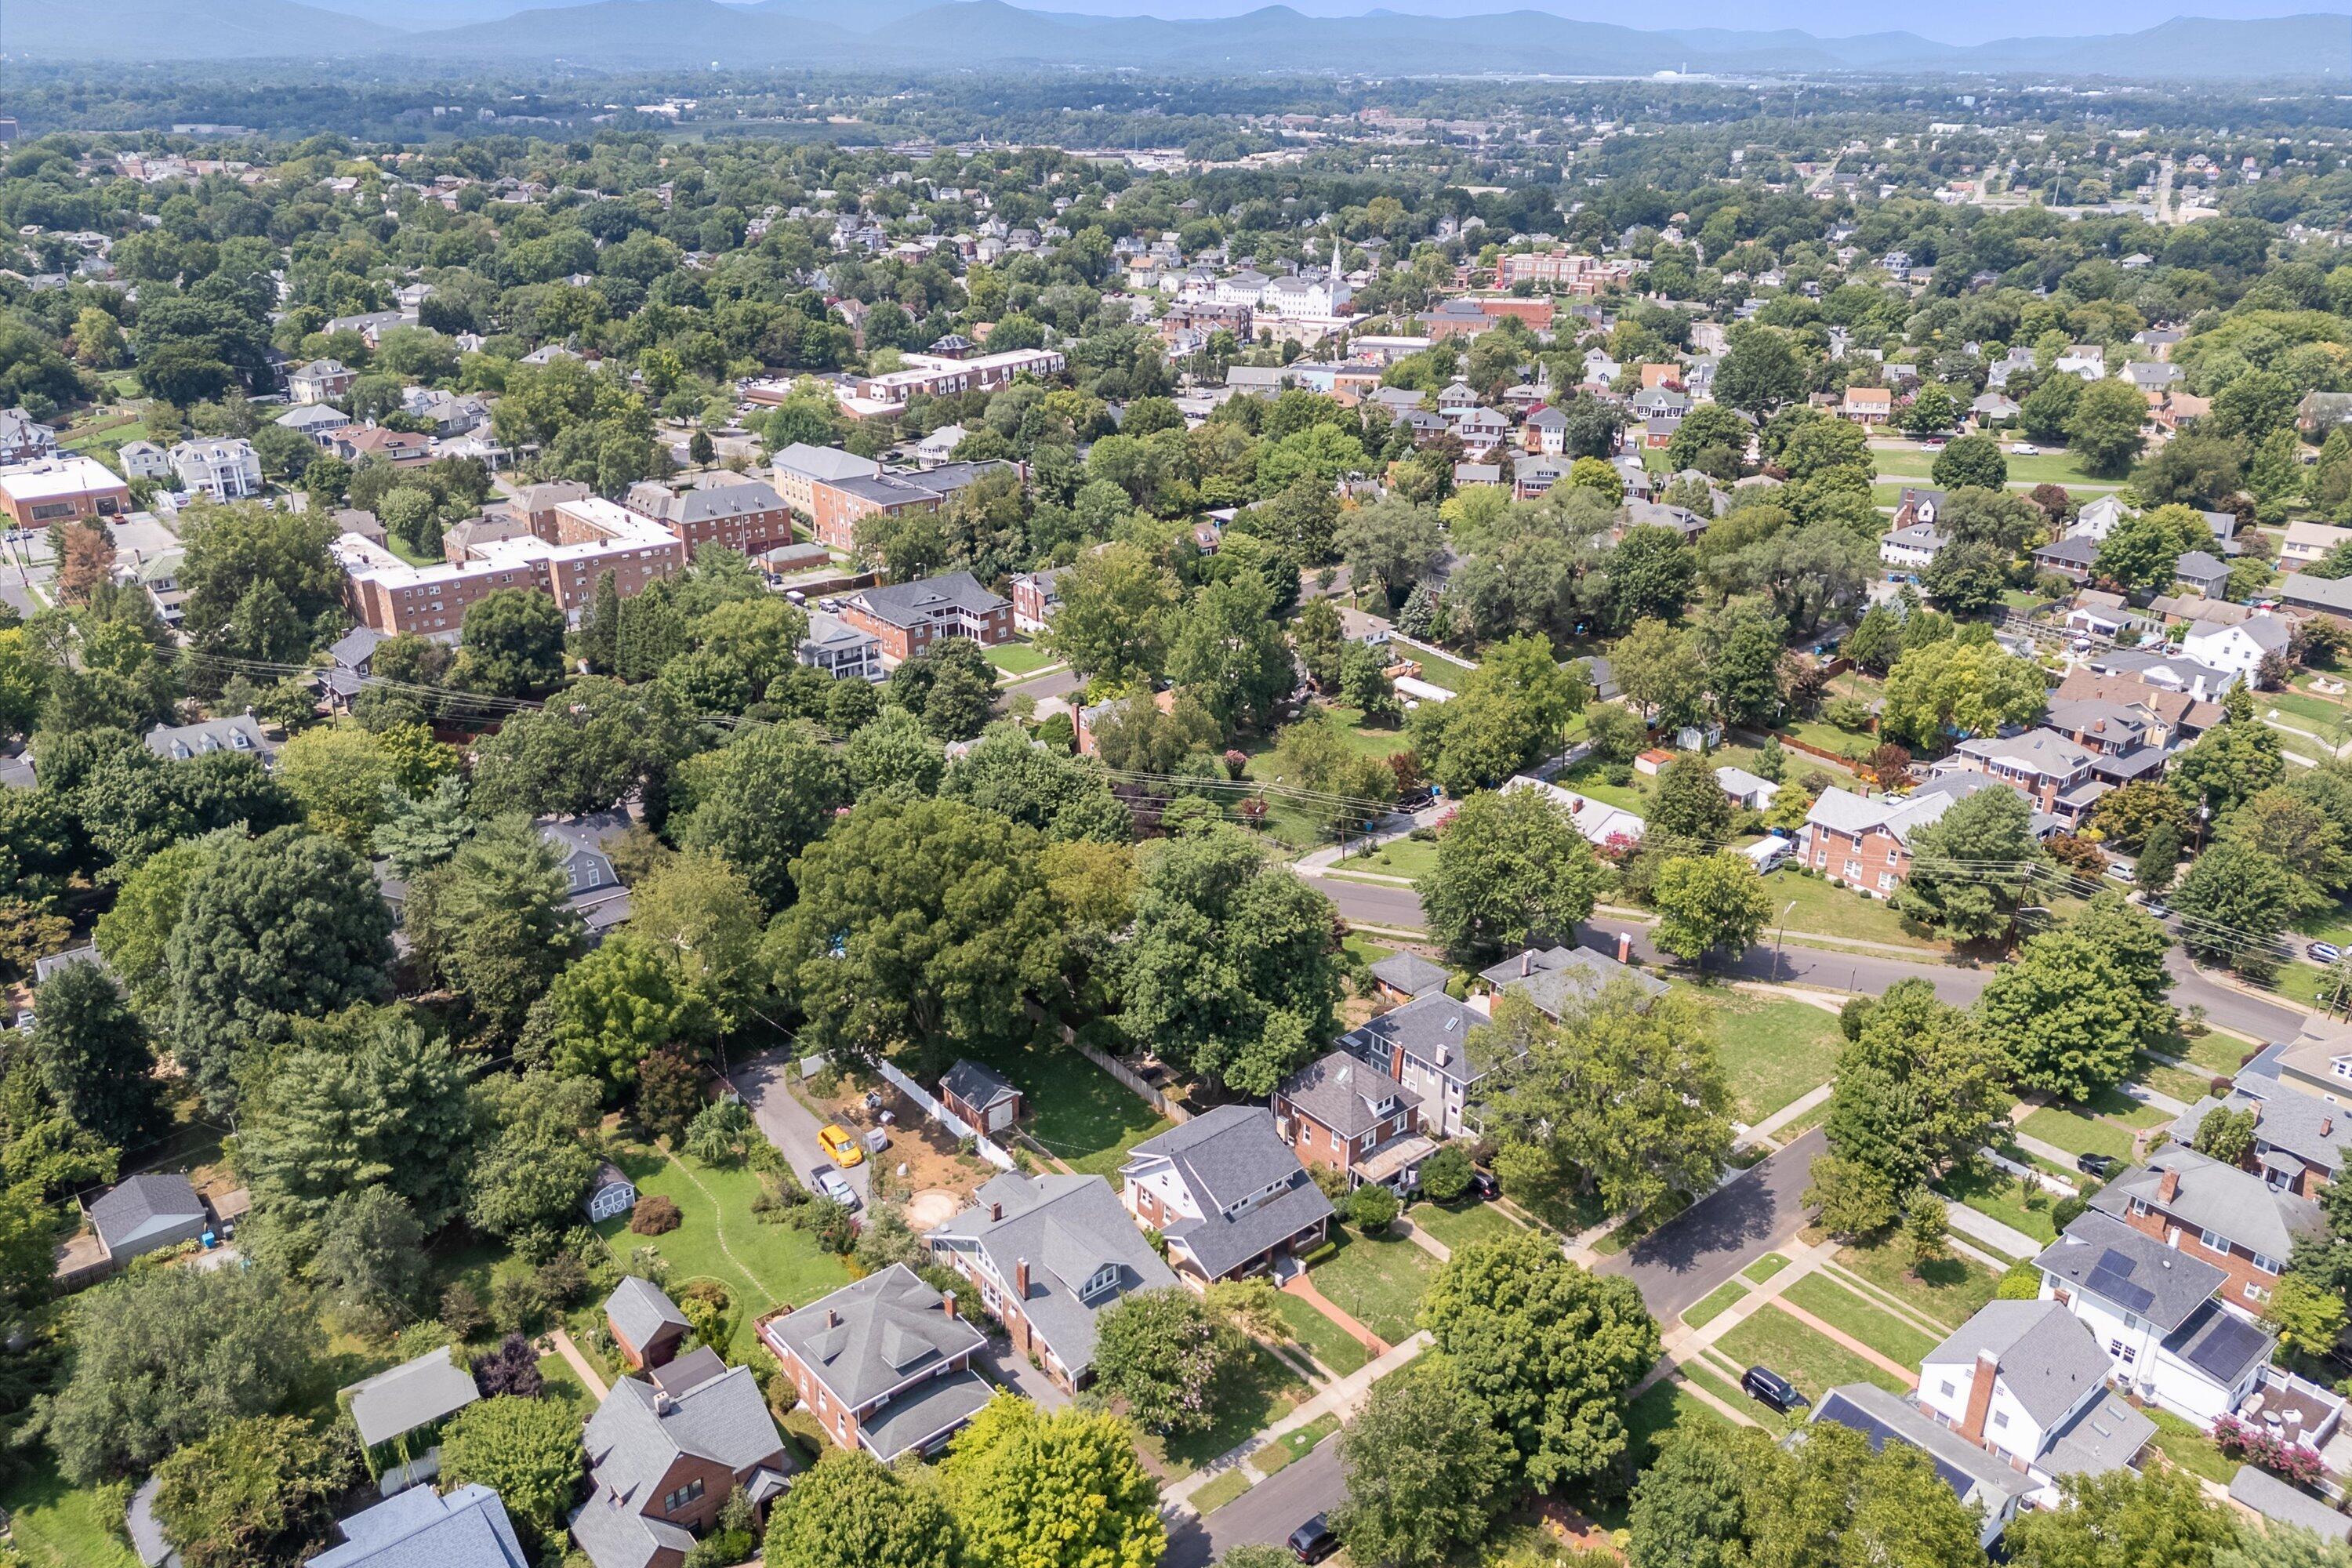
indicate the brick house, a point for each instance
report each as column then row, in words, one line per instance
column 1348, row 1115
column 1226, row 1193
column 2299, row 1139
column 1035, row 596
column 664, row 1458
column 2201, row 1209
column 908, row 618
column 884, row 1364
column 645, row 1323
column 61, row 489
column 733, row 510
column 1048, row 1254
column 982, row 1096
column 2052, row 772
column 1425, row 1046
column 1403, row 977
column 1865, row 842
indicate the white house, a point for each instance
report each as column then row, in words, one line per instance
column 225, row 469
column 1598, row 821
column 2098, row 519
column 1909, row 551
column 2305, row 543
column 145, row 460
column 2237, row 649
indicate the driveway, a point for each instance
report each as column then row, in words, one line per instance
column 1053, row 683
column 1262, row 1516
column 788, row 1124
column 1005, row 1366
column 1677, row 1264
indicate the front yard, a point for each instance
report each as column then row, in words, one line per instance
column 1462, row 1221
column 1826, row 910
column 1019, row 657
column 1251, row 1395
column 1376, row 1280
column 1815, row 1363
column 1411, row 858
column 1774, row 1050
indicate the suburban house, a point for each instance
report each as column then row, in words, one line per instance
column 321, row 381
column 662, row 1461
column 596, row 894
column 147, row 1213
column 2308, row 542
column 398, row 1413
column 2237, row 649
column 1035, row 597
column 1048, row 1254
column 2299, row 1139
column 239, row 732
column 1864, row 841
column 1425, row 1047
column 2201, row 1209
column 2168, row 719
column 1407, row 976
column 2072, row 557
column 2125, row 740
column 908, row 618
column 2302, row 591
column 2318, row 1060
column 23, row 438
column 645, row 1323
column 61, row 489
column 610, row 1192
column 1557, row 980
column 1603, row 824
column 1348, row 1115
column 883, row 1363
column 1907, row 552
column 2169, row 671
column 317, row 421
column 2053, row 773
column 2203, row 572
column 840, row 650
column 1867, row 405
column 982, row 1097
column 1993, row 1487
column 144, row 460
column 1226, row 1193
column 465, row 1527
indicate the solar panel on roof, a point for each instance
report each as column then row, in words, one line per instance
column 2223, row 1352
column 2111, row 1278
column 1878, row 1434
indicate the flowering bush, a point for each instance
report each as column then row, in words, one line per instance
column 2290, row 1461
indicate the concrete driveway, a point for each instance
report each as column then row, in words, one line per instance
column 788, row 1124
column 1005, row 1366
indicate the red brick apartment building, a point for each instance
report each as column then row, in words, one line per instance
column 908, row 618
column 2228, row 1217
column 584, row 540
column 741, row 513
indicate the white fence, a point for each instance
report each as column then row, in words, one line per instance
column 989, row 1151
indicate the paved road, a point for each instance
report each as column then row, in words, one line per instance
column 1264, row 1515
column 1366, row 904
column 790, row 1125
column 1676, row 1266
column 1053, row 683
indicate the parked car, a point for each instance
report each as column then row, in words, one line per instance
column 839, row 1144
column 2100, row 1165
column 2023, row 450
column 2323, row 952
column 2159, row 910
column 1313, row 1541
column 833, row 1185
column 1483, row 1183
column 1769, row 1387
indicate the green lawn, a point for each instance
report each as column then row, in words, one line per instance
column 1773, row 1051
column 2191, row 1449
column 564, row 1384
column 1464, row 1221
column 1821, row 733
column 1019, row 657
column 1995, row 1194
column 1251, row 1395
column 1833, row 911
column 56, row 1526
column 1414, row 857
column 1377, row 1281
column 1329, row 1343
column 1220, row 1492
column 763, row 1265
column 2216, row 1051
column 2331, row 924
column 1717, row 1302
column 2181, row 1084
column 1764, row 1267
column 1839, row 1308
column 2305, row 712
column 1707, row 1376
column 1948, row 1293
column 1438, row 671
column 1088, row 1119
column 1587, row 778
column 2077, row 1134
column 1907, row 463
column 1813, row 1363
column 1292, row 1446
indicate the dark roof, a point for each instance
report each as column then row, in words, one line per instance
column 640, row 1309
column 639, row 1433
column 2219, row 1343
column 977, row 1086
column 1227, row 1159
column 1069, row 1229
column 145, row 1207
column 869, row 1337
column 2282, row 1503
column 1410, row 973
column 1340, row 1092
column 913, row 1419
column 912, row 604
column 2217, row 1197
column 1880, row 1416
column 1433, row 1030
column 2109, row 1260
column 2046, row 1356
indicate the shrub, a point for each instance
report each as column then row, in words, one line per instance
column 462, row 1313
column 2022, row 1283
column 654, row 1216
column 512, row 1368
column 2068, row 1210
column 1445, row 1175
column 1373, row 1208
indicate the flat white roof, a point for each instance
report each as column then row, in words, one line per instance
column 58, row 477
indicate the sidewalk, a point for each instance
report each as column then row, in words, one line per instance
column 1340, row 1399
column 1791, row 1111
column 2000, row 1238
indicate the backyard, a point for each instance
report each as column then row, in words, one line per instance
column 1090, row 1120
column 57, row 1526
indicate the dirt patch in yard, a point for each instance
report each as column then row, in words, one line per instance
column 922, row 1159
column 933, row 1207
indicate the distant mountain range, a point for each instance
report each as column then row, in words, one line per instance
column 924, row 35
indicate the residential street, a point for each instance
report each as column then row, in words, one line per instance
column 1714, row 1239
column 1266, row 1514
column 789, row 1125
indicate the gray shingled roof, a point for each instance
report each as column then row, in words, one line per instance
column 640, row 1309
column 1068, row 1228
column 1410, row 973
column 1433, row 1030
column 2303, row 1125
column 2222, row 1198
column 1225, row 1157
column 2046, row 1356
column 1558, row 978
column 2276, row 1501
column 468, row 1527
column 913, row 604
column 410, row 1395
column 977, row 1086
column 2107, row 1435
column 1340, row 1092
column 144, row 1208
column 2109, row 1260
column 868, row 1338
column 638, row 1433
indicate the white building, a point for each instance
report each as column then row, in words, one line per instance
column 2236, row 649
column 145, row 460
column 224, row 468
column 1909, row 551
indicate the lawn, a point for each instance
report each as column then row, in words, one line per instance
column 1019, row 657
column 1377, row 1281
column 1090, row 1120
column 1774, row 1051
column 1462, row 1222
column 564, row 1384
column 1825, row 910
column 2189, row 1448
column 763, row 1265
column 56, row 1526
column 1812, row 1361
column 1707, row 1376
column 2178, row 1082
column 1292, row 1446
column 1445, row 672
column 1995, row 1194
column 2077, row 1134
column 1907, row 463
column 1329, row 1343
column 1829, row 738
column 1250, row 1395
column 1719, row 1302
column 1588, row 778
column 2217, row 1052
column 1220, row 1492
column 1839, row 1308
column 1948, row 1293
column 1414, row 857
column 2305, row 712
column 1764, row 1267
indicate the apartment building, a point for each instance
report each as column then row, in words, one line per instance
column 741, row 513
column 1864, row 842
column 587, row 538
column 908, row 618
column 1562, row 271
column 933, row 376
column 800, row 467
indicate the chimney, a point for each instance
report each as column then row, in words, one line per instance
column 1021, row 1279
column 1527, row 963
column 1972, row 1425
column 946, row 1303
column 995, row 1213
column 2168, row 1187
column 832, row 1318
column 2326, row 1125
column 1624, row 947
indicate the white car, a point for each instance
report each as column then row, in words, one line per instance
column 833, row 1185
column 2023, row 450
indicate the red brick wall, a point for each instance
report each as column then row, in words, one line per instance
column 2236, row 1265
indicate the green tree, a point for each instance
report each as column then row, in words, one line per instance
column 92, row 1056
column 1761, row 372
column 371, row 1258
column 1510, row 866
column 852, row 1512
column 525, row 1450
column 1391, row 542
column 282, row 927
column 1063, row 798
column 1686, row 802
column 2074, row 1009
column 1916, row 1089
column 1117, row 607
column 699, row 908
column 1972, row 867
column 1832, row 1499
column 894, row 753
column 1548, row 1350
column 1690, row 1507
column 1424, row 1467
column 760, row 801
column 493, row 924
column 2234, row 902
column 1709, row 902
column 1157, row 1352
column 610, row 1008
column 2309, row 1319
column 2121, row 1519
column 532, row 1166
column 1650, row 574
column 1939, row 689
column 1971, row 462
column 2159, row 860
column 2229, row 765
column 2104, row 428
column 1229, row 650
column 1662, row 671
column 1033, row 1488
column 260, row 1492
column 513, row 644
column 2226, row 1135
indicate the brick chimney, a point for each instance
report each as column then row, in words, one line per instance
column 1624, row 947
column 2168, row 1187
column 1021, row 1279
column 832, row 1318
column 1972, row 1425
column 946, row 1303
column 995, row 1213
column 2326, row 1125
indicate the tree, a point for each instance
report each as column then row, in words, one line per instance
column 372, row 1258
column 2141, row 552
column 1445, row 1175
column 894, row 753
column 1760, row 372
column 2226, row 1135
column 493, row 924
column 1548, row 1350
column 1423, row 1468
column 1832, row 1499
column 2159, row 860
column 1065, row 797
column 1690, row 1505
column 2281, row 1545
column 282, row 927
column 851, row 1512
column 1707, row 902
column 1973, row 461
column 2121, row 1519
column 1650, row 574
column 1917, row 1088
column 92, row 1054
column 2228, row 766
column 1229, row 651
column 1927, row 1230
column 2233, row 903
column 530, row 1167
column 1157, row 1351
column 1117, row 605
column 1373, row 1208
column 1687, row 803
column 721, row 1132
column 163, row 1357
column 1034, row 1490
column 260, row 1492
column 1970, row 868
column 761, row 800
column 2075, row 1007
column 1232, row 968
column 1662, row 671
column 1967, row 577
column 612, row 1008
column 1955, row 687
column 527, row 1450
column 1510, row 866
column 699, row 908
column 1391, row 542
column 2104, row 428
column 2309, row 1319
column 919, row 920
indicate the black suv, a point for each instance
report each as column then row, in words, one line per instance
column 1313, row 1541
column 1769, row 1387
column 2100, row 1165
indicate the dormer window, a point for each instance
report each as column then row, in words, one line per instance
column 1102, row 1279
